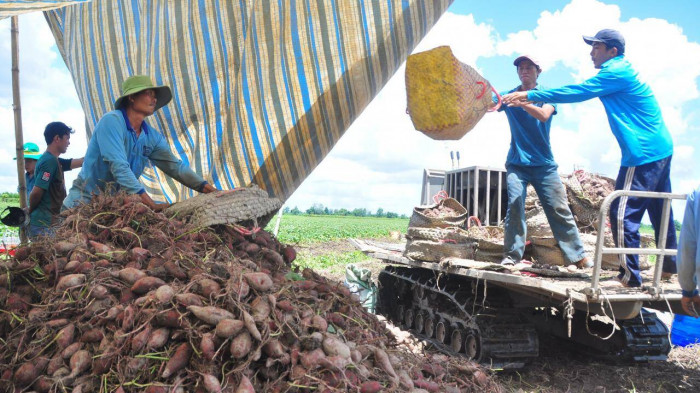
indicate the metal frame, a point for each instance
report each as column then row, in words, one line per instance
column 655, row 290
column 457, row 181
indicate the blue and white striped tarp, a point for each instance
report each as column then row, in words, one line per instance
column 262, row 90
column 12, row 7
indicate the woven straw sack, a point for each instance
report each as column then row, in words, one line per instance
column 420, row 220
column 454, row 234
column 446, row 98
column 584, row 209
column 245, row 205
column 434, row 251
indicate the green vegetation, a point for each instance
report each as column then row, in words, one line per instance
column 319, row 209
column 332, row 260
column 313, row 229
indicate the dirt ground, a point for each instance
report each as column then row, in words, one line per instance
column 560, row 368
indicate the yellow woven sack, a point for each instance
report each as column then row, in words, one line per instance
column 446, row 98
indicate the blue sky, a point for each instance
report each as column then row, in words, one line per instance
column 379, row 161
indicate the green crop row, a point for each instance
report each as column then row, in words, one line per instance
column 314, row 229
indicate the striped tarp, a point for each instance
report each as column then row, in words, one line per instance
column 12, row 7
column 262, row 90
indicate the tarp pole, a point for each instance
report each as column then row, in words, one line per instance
column 19, row 139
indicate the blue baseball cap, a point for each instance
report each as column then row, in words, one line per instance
column 610, row 37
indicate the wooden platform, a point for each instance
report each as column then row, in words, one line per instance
column 551, row 286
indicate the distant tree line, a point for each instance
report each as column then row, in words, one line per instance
column 319, row 209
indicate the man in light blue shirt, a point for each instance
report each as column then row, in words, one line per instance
column 530, row 161
column 122, row 145
column 636, row 121
column 689, row 255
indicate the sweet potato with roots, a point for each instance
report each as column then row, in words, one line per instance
column 208, row 287
column 227, row 328
column 250, row 325
column 210, row 314
column 245, row 386
column 207, row 346
column 138, row 342
column 158, row 338
column 289, row 254
column 71, row 350
column 178, row 361
column 92, row 336
column 65, row 336
column 164, row 294
column 382, row 361
column 174, row 270
column 25, row 374
column 99, row 247
column 312, row 360
column 274, row 349
column 145, row 284
column 260, row 309
column 241, row 345
column 334, row 347
column 80, row 362
column 70, row 281
column 211, row 383
column 189, row 299
column 259, row 281
column 371, row 387
column 130, row 275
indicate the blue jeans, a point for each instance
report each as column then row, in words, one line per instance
column 626, row 213
column 36, row 231
column 550, row 190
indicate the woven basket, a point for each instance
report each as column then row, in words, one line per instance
column 446, row 98
column 584, row 209
column 245, row 206
column 434, row 251
column 454, row 234
column 420, row 220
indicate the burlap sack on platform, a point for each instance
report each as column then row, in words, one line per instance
column 433, row 244
column 446, row 213
column 546, row 250
column 245, row 205
column 446, row 98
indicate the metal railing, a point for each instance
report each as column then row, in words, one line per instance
column 655, row 289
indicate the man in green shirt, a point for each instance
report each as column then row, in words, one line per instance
column 49, row 189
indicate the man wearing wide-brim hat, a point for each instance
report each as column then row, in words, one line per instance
column 122, row 145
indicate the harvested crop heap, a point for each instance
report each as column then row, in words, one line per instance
column 128, row 300
column 441, row 211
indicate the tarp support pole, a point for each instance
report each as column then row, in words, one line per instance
column 19, row 139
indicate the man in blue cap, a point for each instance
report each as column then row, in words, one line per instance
column 49, row 189
column 31, row 155
column 123, row 144
column 636, row 121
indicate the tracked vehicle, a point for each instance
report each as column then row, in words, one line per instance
column 496, row 315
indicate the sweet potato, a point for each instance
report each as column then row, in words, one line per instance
column 189, row 299
column 370, row 387
column 285, row 305
column 102, row 364
column 318, row 323
column 227, row 328
column 260, row 309
column 25, row 374
column 71, row 350
column 207, row 346
column 178, row 361
column 273, row 257
column 210, row 314
column 99, row 247
column 245, row 386
column 304, row 285
column 64, row 247
column 55, row 363
column 239, row 288
column 208, row 287
column 250, row 325
column 99, row 292
column 158, row 338
column 274, row 349
column 130, row 275
column 169, row 319
column 80, row 362
column 241, row 345
column 289, row 254
column 382, row 361
column 145, row 284
column 334, row 347
column 211, row 383
column 259, row 281
column 174, row 270
column 138, row 342
column 334, row 363
column 251, row 248
column 65, row 336
column 430, row 386
column 311, row 360
column 43, row 384
column 164, row 294
column 139, row 254
column 71, row 266
column 129, row 314
column 70, row 281
column 92, row 336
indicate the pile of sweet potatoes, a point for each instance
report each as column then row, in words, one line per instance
column 124, row 299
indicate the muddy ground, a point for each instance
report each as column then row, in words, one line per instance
column 560, row 368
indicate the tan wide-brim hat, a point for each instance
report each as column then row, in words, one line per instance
column 138, row 83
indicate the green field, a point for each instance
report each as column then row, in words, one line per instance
column 315, row 229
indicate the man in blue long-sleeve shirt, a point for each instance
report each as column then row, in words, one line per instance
column 689, row 255
column 636, row 121
column 122, row 145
